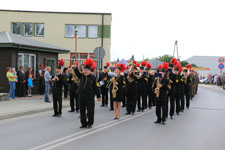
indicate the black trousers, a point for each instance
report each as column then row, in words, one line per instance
column 105, row 93
column 177, row 96
column 41, row 86
column 21, row 89
column 171, row 99
column 74, row 98
column 182, row 101
column 124, row 97
column 131, row 102
column 141, row 99
column 111, row 99
column 87, row 104
column 66, row 89
column 161, row 110
column 187, row 94
column 57, row 103
column 149, row 98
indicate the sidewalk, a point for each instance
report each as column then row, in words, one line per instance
column 212, row 87
column 26, row 106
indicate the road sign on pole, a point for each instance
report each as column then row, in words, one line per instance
column 221, row 66
column 221, row 60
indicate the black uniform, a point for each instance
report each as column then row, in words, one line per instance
column 104, row 89
column 171, row 94
column 187, row 91
column 74, row 97
column 141, row 96
column 149, row 91
column 66, row 85
column 119, row 92
column 87, row 91
column 161, row 101
column 182, row 94
column 42, row 83
column 178, row 92
column 131, row 93
column 56, row 88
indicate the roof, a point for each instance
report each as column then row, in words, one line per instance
column 8, row 39
column 155, row 62
column 82, row 13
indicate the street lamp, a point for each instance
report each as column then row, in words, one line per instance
column 75, row 30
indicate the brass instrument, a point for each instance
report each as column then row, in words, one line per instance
column 77, row 80
column 115, row 87
column 169, row 85
column 157, row 89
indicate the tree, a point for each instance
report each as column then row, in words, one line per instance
column 165, row 58
column 184, row 63
column 146, row 59
column 194, row 65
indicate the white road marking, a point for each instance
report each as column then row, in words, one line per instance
column 76, row 136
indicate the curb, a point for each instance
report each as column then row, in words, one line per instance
column 212, row 87
column 28, row 112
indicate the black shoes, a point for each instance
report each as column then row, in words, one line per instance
column 157, row 121
column 83, row 126
column 71, row 111
column 54, row 115
column 127, row 113
column 102, row 105
column 133, row 113
column 89, row 126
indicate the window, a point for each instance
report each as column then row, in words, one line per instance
column 69, row 31
column 27, row 60
column 93, row 31
column 81, row 31
column 28, row 29
column 16, row 28
column 39, row 29
column 52, row 63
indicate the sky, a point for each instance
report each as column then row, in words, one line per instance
column 149, row 28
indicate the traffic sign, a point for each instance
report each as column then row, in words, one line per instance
column 221, row 66
column 221, row 60
column 99, row 52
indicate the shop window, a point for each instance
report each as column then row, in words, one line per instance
column 52, row 63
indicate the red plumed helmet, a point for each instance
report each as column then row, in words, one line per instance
column 177, row 65
column 88, row 62
column 143, row 63
column 165, row 65
column 188, row 66
column 138, row 65
column 181, row 69
column 134, row 62
column 173, row 61
column 159, row 67
column 61, row 63
column 107, row 64
column 149, row 66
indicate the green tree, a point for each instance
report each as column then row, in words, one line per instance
column 194, row 65
column 184, row 63
column 146, row 59
column 165, row 58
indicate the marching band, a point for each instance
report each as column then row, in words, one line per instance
column 169, row 88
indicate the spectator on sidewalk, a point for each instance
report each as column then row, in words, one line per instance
column 47, row 78
column 30, row 85
column 12, row 82
column 41, row 73
column 21, row 82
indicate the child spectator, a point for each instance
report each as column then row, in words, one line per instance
column 30, row 85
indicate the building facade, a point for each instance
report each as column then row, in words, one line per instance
column 58, row 28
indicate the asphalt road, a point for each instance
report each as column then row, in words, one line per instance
column 202, row 127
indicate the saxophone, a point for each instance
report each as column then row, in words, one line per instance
column 77, row 80
column 157, row 89
column 115, row 87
